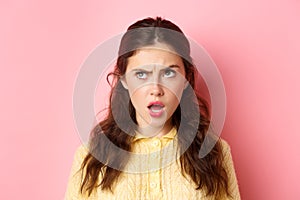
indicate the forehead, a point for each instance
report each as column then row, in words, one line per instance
column 154, row 56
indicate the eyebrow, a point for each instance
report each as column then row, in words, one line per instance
column 144, row 70
column 174, row 66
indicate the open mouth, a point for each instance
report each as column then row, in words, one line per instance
column 156, row 109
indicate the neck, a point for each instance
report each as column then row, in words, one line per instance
column 150, row 131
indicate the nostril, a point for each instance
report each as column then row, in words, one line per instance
column 157, row 93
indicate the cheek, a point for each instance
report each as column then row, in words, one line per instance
column 137, row 96
column 176, row 90
column 175, row 85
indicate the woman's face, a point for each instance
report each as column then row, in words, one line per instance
column 155, row 79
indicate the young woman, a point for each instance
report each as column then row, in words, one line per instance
column 148, row 145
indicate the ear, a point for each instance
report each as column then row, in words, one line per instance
column 123, row 81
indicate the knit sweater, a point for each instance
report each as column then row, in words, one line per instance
column 152, row 176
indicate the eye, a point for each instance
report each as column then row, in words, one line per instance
column 141, row 75
column 169, row 73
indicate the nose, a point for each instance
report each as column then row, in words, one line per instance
column 156, row 90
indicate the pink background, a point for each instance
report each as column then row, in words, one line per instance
column 255, row 44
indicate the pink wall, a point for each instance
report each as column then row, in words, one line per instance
column 255, row 44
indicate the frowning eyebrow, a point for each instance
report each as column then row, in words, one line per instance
column 174, row 66
column 145, row 70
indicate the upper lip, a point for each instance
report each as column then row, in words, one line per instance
column 155, row 103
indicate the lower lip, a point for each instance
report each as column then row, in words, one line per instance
column 156, row 114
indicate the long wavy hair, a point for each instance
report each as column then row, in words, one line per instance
column 207, row 173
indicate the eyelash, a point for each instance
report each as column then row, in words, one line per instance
column 138, row 74
column 168, row 71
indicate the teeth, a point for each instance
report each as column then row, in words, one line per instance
column 156, row 108
column 155, row 111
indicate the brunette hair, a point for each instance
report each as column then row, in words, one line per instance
column 207, row 173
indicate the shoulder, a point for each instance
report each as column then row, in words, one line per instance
column 75, row 179
column 226, row 154
column 225, row 146
column 226, row 150
column 80, row 154
column 81, row 151
column 230, row 170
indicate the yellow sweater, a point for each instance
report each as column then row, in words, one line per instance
column 160, row 179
